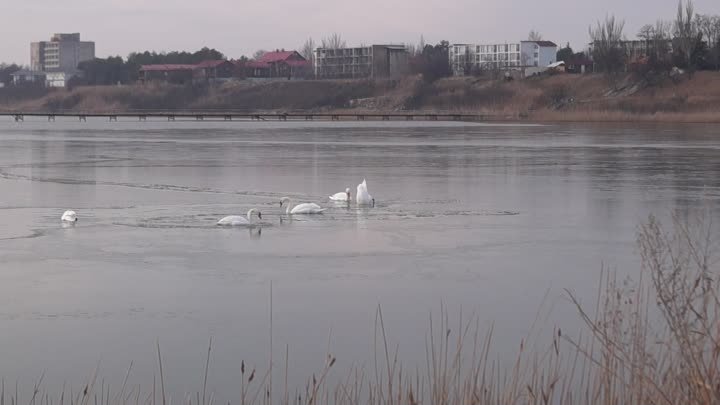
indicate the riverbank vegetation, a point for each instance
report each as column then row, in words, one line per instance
column 652, row 339
column 562, row 97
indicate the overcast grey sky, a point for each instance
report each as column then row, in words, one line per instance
column 240, row 27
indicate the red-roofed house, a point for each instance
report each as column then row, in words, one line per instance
column 279, row 64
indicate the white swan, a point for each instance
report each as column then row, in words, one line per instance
column 363, row 197
column 305, row 208
column 239, row 220
column 69, row 216
column 343, row 197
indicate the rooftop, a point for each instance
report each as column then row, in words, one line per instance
column 544, row 43
column 277, row 56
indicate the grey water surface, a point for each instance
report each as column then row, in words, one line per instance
column 493, row 221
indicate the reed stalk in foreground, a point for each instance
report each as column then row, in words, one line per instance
column 654, row 340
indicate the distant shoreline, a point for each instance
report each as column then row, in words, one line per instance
column 562, row 98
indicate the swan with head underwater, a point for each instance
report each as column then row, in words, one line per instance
column 341, row 197
column 363, row 197
column 304, row 208
column 239, row 220
column 69, row 216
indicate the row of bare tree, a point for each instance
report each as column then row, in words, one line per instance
column 691, row 41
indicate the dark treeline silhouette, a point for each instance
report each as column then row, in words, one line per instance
column 6, row 72
column 115, row 69
column 432, row 62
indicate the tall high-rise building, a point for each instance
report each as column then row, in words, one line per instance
column 62, row 53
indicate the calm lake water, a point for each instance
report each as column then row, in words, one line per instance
column 487, row 219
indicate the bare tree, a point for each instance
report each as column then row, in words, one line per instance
column 467, row 62
column 709, row 25
column 259, row 53
column 686, row 32
column 333, row 41
column 415, row 50
column 607, row 50
column 647, row 32
column 661, row 40
column 534, row 36
column 308, row 49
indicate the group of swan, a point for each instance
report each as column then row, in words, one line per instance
column 363, row 198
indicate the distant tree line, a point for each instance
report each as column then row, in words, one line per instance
column 690, row 42
column 431, row 61
column 116, row 70
column 6, row 71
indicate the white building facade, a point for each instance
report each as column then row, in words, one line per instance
column 529, row 56
column 538, row 54
column 58, row 79
column 467, row 59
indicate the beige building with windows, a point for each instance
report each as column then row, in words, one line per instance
column 63, row 53
column 367, row 61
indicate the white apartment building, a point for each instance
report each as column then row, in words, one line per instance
column 539, row 54
column 467, row 58
column 63, row 53
column 530, row 56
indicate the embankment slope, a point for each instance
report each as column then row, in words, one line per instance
column 552, row 98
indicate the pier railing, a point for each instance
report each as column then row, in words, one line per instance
column 224, row 115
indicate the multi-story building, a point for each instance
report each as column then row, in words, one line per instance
column 529, row 56
column 63, row 53
column 368, row 61
column 639, row 49
column 537, row 54
column 466, row 59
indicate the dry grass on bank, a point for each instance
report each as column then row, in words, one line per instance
column 652, row 341
column 552, row 98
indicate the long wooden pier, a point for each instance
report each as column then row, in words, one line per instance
column 247, row 116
